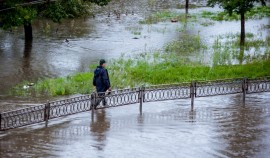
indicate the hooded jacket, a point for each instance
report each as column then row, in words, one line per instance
column 101, row 79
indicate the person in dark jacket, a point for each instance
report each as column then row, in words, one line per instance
column 101, row 80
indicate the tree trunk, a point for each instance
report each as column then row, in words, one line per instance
column 241, row 55
column 185, row 22
column 26, row 62
column 28, row 31
column 187, row 3
column 242, row 36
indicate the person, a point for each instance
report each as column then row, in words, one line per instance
column 101, row 81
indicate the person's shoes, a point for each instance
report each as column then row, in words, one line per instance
column 104, row 103
column 95, row 105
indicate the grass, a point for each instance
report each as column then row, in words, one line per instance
column 226, row 48
column 186, row 45
column 264, row 27
column 151, row 68
column 134, row 29
column 78, row 83
column 255, row 13
column 172, row 72
column 206, row 23
column 136, row 33
column 251, row 41
column 129, row 73
column 166, row 15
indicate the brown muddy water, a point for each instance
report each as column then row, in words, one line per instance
column 219, row 127
column 90, row 39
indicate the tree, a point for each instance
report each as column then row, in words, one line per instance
column 18, row 16
column 22, row 12
column 186, row 6
column 238, row 6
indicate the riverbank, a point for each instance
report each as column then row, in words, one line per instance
column 132, row 73
column 188, row 48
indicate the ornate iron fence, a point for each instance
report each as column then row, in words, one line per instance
column 219, row 87
column 55, row 109
column 67, row 107
column 22, row 117
column 117, row 98
column 166, row 92
column 258, row 85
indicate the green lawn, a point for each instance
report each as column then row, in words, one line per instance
column 128, row 73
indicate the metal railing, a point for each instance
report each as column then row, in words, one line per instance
column 55, row 109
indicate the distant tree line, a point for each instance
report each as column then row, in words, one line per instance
column 15, row 13
column 22, row 12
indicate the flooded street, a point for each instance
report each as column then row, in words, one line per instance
column 219, row 127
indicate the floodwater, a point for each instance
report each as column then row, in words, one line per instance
column 219, row 127
column 90, row 39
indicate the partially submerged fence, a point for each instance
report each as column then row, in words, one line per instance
column 55, row 109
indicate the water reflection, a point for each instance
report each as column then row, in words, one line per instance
column 100, row 125
column 192, row 116
column 242, row 130
column 32, row 143
column 27, row 49
column 218, row 127
column 26, row 62
column 140, row 119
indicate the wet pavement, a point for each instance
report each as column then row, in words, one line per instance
column 219, row 127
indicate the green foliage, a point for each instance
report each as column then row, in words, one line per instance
column 135, row 29
column 240, row 7
column 75, row 8
column 163, row 73
column 226, row 49
column 255, row 13
column 258, row 12
column 207, row 23
column 66, row 9
column 127, row 73
column 56, row 11
column 237, row 6
column 186, row 45
column 79, row 83
column 17, row 16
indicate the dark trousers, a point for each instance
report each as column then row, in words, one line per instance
column 100, row 98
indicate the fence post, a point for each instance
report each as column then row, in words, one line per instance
column 0, row 121
column 47, row 112
column 141, row 97
column 94, row 101
column 244, row 89
column 192, row 94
